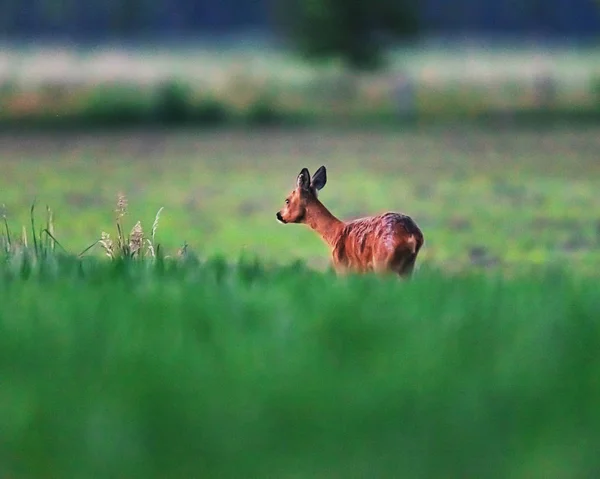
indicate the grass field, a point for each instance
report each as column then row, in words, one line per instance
column 188, row 370
column 504, row 198
column 484, row 365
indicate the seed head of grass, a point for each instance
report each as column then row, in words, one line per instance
column 121, row 205
column 155, row 224
column 136, row 239
column 107, row 244
column 121, row 210
column 152, row 248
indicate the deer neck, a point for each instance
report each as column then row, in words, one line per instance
column 321, row 220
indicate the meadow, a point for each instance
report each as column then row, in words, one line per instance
column 247, row 357
column 505, row 198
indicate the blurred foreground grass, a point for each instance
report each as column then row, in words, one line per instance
column 510, row 198
column 212, row 369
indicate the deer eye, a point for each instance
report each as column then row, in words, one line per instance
column 287, row 202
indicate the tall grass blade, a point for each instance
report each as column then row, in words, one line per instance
column 9, row 243
column 51, row 242
column 54, row 240
column 35, row 244
column 88, row 248
column 24, row 237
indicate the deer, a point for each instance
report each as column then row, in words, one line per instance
column 387, row 243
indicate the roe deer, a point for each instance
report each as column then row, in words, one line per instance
column 386, row 243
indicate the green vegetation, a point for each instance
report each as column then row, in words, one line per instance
column 326, row 29
column 169, row 360
column 187, row 368
column 511, row 199
column 256, row 85
column 349, row 100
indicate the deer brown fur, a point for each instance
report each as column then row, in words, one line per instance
column 386, row 243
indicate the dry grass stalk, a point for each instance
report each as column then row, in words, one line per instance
column 107, row 244
column 132, row 245
column 24, row 236
column 121, row 211
column 121, row 205
column 155, row 224
column 153, row 252
column 123, row 246
column 151, row 248
column 136, row 239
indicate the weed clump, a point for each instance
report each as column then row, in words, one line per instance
column 36, row 249
column 131, row 245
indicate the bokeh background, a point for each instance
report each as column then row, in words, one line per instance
column 479, row 118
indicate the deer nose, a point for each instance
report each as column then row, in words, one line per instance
column 279, row 217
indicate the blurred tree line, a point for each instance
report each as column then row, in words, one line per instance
column 354, row 30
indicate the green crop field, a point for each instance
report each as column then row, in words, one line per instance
column 247, row 357
column 511, row 199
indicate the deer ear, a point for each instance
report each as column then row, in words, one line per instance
column 303, row 181
column 319, row 178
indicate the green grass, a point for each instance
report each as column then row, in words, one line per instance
column 219, row 369
column 484, row 365
column 505, row 198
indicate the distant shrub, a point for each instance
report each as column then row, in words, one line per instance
column 210, row 111
column 263, row 112
column 116, row 105
column 173, row 103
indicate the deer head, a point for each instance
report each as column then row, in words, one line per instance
column 301, row 197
